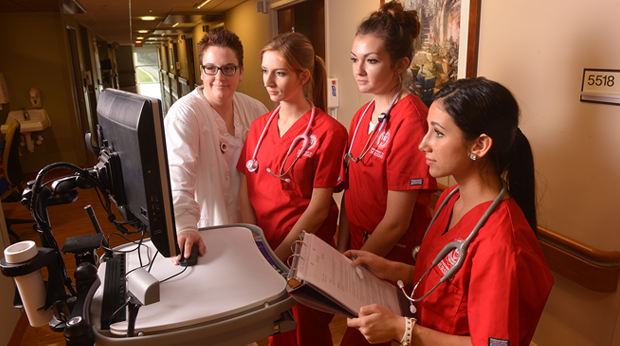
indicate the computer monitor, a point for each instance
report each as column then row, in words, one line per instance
column 133, row 165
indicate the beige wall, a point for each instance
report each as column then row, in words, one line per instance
column 340, row 31
column 252, row 28
column 197, row 35
column 182, row 57
column 576, row 144
column 253, row 31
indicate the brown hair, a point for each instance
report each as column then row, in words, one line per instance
column 399, row 29
column 221, row 38
column 298, row 52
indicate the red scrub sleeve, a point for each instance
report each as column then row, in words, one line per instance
column 329, row 156
column 406, row 164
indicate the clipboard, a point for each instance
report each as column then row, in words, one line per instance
column 322, row 278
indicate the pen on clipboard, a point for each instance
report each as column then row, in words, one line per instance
column 358, row 270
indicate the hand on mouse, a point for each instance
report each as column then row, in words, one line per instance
column 192, row 259
column 186, row 240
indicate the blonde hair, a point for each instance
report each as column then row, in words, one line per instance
column 297, row 51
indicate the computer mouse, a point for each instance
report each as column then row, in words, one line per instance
column 193, row 258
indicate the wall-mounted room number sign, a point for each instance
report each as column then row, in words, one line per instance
column 601, row 86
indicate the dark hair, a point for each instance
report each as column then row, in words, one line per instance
column 298, row 52
column 221, row 38
column 398, row 29
column 479, row 106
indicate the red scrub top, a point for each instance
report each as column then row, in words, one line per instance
column 279, row 203
column 498, row 295
column 393, row 163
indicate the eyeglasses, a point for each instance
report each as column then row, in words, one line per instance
column 211, row 70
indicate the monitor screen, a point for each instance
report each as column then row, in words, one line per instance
column 133, row 165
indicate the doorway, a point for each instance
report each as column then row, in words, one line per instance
column 146, row 63
column 306, row 17
column 80, row 98
column 189, row 46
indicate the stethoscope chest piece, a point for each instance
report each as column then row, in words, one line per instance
column 252, row 165
column 461, row 247
column 223, row 147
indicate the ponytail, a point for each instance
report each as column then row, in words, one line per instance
column 477, row 106
column 319, row 89
column 297, row 51
column 521, row 178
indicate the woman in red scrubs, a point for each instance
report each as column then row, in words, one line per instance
column 291, row 162
column 498, row 294
column 385, row 209
column 385, row 204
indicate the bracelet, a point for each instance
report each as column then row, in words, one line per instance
column 409, row 323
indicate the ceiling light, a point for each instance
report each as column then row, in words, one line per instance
column 199, row 5
column 148, row 18
column 143, row 31
column 140, row 38
column 175, row 25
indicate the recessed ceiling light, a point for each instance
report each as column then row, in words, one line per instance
column 175, row 25
column 143, row 31
column 199, row 5
column 140, row 38
column 148, row 18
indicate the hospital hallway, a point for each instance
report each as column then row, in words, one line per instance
column 78, row 224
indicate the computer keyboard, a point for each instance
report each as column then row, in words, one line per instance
column 114, row 289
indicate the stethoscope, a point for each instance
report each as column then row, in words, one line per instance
column 382, row 119
column 252, row 164
column 460, row 246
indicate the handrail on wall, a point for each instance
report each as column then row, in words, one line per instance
column 591, row 268
column 603, row 258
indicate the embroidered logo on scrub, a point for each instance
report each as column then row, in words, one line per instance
column 382, row 142
column 449, row 260
column 313, row 142
column 498, row 342
column 384, row 139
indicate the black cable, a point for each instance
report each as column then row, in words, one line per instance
column 152, row 261
column 138, row 243
column 173, row 276
column 119, row 309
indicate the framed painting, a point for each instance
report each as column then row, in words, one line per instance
column 448, row 47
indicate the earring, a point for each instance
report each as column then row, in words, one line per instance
column 473, row 157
